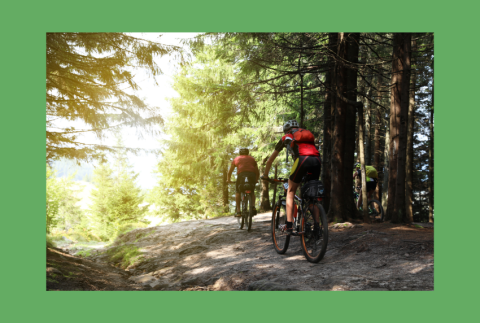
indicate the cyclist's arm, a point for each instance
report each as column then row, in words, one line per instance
column 230, row 171
column 269, row 162
column 257, row 172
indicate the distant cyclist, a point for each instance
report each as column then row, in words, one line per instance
column 246, row 167
column 301, row 144
column 371, row 179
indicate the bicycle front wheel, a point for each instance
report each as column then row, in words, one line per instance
column 375, row 210
column 278, row 225
column 314, row 240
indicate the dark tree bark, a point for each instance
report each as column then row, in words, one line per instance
column 376, row 150
column 225, row 186
column 353, row 40
column 341, row 205
column 386, row 168
column 328, row 115
column 400, row 90
column 362, row 161
column 368, row 125
column 337, row 208
column 409, row 160
column 430, row 167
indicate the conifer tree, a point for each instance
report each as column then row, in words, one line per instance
column 53, row 199
column 87, row 78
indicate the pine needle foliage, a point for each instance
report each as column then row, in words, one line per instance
column 116, row 202
column 90, row 85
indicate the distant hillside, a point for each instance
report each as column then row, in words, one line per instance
column 65, row 167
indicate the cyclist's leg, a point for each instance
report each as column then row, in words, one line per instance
column 237, row 203
column 371, row 186
column 240, row 179
column 299, row 169
column 292, row 188
column 252, row 179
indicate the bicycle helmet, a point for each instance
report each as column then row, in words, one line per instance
column 357, row 165
column 289, row 125
column 243, row 151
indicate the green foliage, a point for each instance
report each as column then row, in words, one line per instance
column 84, row 253
column 116, row 201
column 50, row 243
column 217, row 112
column 87, row 74
column 53, row 199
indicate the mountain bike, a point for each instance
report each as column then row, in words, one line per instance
column 313, row 242
column 375, row 209
column 246, row 204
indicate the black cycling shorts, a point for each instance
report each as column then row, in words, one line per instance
column 306, row 165
column 252, row 178
column 371, row 186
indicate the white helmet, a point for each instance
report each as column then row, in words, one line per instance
column 289, row 125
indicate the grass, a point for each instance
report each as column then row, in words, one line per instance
column 50, row 243
column 125, row 255
column 84, row 253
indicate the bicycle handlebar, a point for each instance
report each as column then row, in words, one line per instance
column 274, row 180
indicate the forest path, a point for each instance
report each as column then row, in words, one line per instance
column 215, row 255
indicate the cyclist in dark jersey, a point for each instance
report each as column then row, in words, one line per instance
column 307, row 162
column 246, row 167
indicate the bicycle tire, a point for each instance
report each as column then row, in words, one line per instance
column 240, row 219
column 314, row 245
column 249, row 213
column 376, row 215
column 280, row 238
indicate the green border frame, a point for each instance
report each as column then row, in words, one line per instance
column 23, row 51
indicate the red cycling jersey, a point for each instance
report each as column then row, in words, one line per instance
column 246, row 163
column 299, row 148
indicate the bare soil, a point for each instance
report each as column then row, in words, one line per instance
column 216, row 255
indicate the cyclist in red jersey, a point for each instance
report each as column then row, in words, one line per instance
column 246, row 167
column 307, row 162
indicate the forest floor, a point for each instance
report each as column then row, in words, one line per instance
column 215, row 255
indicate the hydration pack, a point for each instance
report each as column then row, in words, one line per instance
column 303, row 136
column 246, row 186
column 312, row 189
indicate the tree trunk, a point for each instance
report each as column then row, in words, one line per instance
column 337, row 208
column 409, row 160
column 353, row 40
column 362, row 161
column 376, row 150
column 225, row 187
column 342, row 204
column 386, row 167
column 430, row 167
column 368, row 159
column 328, row 113
column 403, row 85
column 264, row 198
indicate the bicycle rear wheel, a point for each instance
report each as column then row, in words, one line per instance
column 241, row 219
column 279, row 221
column 314, row 243
column 249, row 212
column 375, row 210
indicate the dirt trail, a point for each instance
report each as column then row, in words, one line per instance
column 216, row 255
